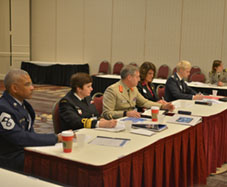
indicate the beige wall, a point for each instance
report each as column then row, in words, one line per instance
column 161, row 31
column 19, row 31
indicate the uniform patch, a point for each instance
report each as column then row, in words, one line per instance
column 6, row 121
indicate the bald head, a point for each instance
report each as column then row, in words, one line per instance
column 12, row 77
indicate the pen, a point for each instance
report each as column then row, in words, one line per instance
column 113, row 138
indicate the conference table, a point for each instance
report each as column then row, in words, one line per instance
column 10, row 178
column 178, row 156
column 54, row 73
column 102, row 81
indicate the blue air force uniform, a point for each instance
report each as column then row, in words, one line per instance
column 177, row 89
column 16, row 132
column 77, row 114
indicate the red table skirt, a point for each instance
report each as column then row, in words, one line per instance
column 182, row 159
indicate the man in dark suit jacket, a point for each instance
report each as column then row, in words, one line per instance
column 76, row 108
column 176, row 88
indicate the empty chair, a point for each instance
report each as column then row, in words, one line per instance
column 98, row 101
column 133, row 64
column 194, row 69
column 163, row 71
column 174, row 70
column 197, row 77
column 160, row 90
column 56, row 117
column 117, row 68
column 104, row 67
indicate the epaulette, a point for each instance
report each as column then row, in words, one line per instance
column 64, row 101
column 120, row 88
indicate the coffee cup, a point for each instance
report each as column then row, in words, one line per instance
column 67, row 141
column 154, row 113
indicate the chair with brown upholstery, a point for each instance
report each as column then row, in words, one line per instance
column 56, row 117
column 160, row 90
column 163, row 71
column 98, row 101
column 174, row 70
column 197, row 77
column 104, row 67
column 117, row 68
column 194, row 69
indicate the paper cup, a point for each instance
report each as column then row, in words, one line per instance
column 214, row 92
column 128, row 125
column 80, row 138
column 154, row 113
column 67, row 141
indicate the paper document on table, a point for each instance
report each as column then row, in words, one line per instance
column 144, row 132
column 109, row 141
column 213, row 101
column 119, row 127
column 134, row 120
column 185, row 120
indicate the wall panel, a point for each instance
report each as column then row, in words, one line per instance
column 128, row 31
column 162, row 39
column 202, row 32
column 97, row 36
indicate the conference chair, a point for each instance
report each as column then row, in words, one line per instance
column 163, row 71
column 117, row 68
column 174, row 70
column 98, row 101
column 56, row 117
column 197, row 77
column 104, row 67
column 194, row 69
column 133, row 64
column 160, row 90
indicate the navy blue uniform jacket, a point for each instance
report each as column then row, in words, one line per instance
column 15, row 132
column 176, row 89
column 75, row 114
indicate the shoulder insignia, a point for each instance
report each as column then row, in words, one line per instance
column 120, row 88
column 6, row 121
column 64, row 101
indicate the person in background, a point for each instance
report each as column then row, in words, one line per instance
column 121, row 98
column 176, row 88
column 16, row 121
column 218, row 75
column 76, row 109
column 145, row 86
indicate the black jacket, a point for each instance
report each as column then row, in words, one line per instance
column 176, row 89
column 75, row 114
column 145, row 92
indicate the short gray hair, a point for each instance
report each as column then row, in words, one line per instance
column 183, row 65
column 12, row 76
column 128, row 70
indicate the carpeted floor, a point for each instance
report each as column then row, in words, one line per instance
column 44, row 96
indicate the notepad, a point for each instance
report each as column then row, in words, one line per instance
column 109, row 141
column 142, row 132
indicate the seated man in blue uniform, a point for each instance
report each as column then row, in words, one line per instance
column 176, row 88
column 76, row 108
column 16, row 121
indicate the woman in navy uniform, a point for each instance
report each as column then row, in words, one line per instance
column 16, row 121
column 218, row 75
column 76, row 108
column 176, row 88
